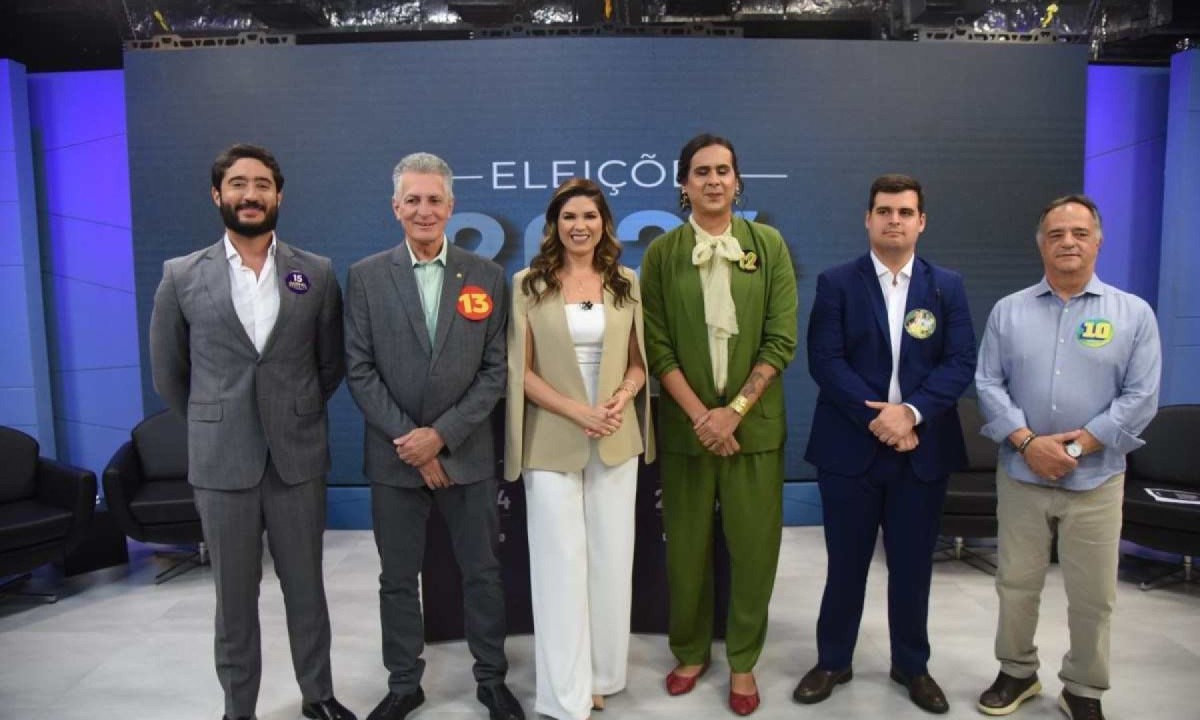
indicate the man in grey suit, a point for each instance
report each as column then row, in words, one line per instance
column 246, row 343
column 425, row 350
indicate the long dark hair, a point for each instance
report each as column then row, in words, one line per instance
column 542, row 278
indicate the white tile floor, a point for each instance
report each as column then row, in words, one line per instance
column 117, row 646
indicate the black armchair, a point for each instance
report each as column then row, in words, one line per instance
column 970, row 507
column 1170, row 460
column 45, row 508
column 148, row 493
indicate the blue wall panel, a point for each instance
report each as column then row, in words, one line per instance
column 1125, row 147
column 10, row 221
column 23, row 361
column 1179, row 303
column 78, row 122
column 86, row 329
column 89, row 446
column 84, row 181
column 16, row 363
column 91, row 252
column 17, row 405
column 99, row 397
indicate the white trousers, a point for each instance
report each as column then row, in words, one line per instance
column 581, row 528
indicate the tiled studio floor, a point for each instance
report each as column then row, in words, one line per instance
column 117, row 646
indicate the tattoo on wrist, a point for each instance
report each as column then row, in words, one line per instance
column 755, row 384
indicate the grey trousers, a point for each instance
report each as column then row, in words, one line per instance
column 1089, row 535
column 294, row 519
column 400, row 515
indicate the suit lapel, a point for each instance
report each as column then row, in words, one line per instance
column 410, row 297
column 453, row 278
column 689, row 279
column 551, row 313
column 691, row 295
column 216, row 280
column 285, row 262
column 866, row 270
column 918, row 292
column 742, row 283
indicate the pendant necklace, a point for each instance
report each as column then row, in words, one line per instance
column 586, row 304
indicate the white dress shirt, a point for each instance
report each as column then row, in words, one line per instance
column 895, row 297
column 256, row 299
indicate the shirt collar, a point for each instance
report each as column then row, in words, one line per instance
column 881, row 269
column 441, row 256
column 232, row 255
column 1094, row 287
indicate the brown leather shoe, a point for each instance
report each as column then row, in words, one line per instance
column 818, row 684
column 1080, row 708
column 1007, row 693
column 923, row 690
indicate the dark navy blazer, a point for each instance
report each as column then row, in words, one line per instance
column 850, row 357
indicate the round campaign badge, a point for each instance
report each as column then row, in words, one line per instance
column 474, row 303
column 296, row 282
column 1094, row 333
column 920, row 323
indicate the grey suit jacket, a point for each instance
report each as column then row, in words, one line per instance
column 401, row 381
column 240, row 404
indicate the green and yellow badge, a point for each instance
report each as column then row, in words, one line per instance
column 1094, row 333
column 748, row 262
column 920, row 323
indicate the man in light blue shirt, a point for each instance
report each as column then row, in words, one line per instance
column 1067, row 377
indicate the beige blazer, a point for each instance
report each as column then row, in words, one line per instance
column 538, row 439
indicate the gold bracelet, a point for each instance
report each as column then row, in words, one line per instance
column 629, row 386
column 740, row 405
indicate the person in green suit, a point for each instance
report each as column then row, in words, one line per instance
column 719, row 297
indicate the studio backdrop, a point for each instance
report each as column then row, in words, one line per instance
column 993, row 132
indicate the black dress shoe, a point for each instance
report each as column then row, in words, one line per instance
column 817, row 684
column 1007, row 693
column 923, row 691
column 239, row 717
column 1080, row 708
column 329, row 709
column 499, row 701
column 397, row 707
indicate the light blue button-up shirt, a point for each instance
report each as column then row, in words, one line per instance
column 430, row 276
column 1092, row 362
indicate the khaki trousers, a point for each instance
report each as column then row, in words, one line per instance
column 1089, row 533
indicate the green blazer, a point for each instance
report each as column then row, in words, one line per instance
column 676, row 336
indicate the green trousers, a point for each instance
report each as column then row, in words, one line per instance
column 750, row 491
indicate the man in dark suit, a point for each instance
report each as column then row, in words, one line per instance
column 425, row 349
column 891, row 347
column 246, row 342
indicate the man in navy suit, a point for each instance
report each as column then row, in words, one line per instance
column 891, row 347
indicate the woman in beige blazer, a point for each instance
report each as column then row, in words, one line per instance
column 578, row 416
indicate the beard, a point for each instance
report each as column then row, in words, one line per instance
column 229, row 214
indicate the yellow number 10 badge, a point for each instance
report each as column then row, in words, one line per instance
column 1094, row 333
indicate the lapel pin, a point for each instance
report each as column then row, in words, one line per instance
column 297, row 282
column 920, row 323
